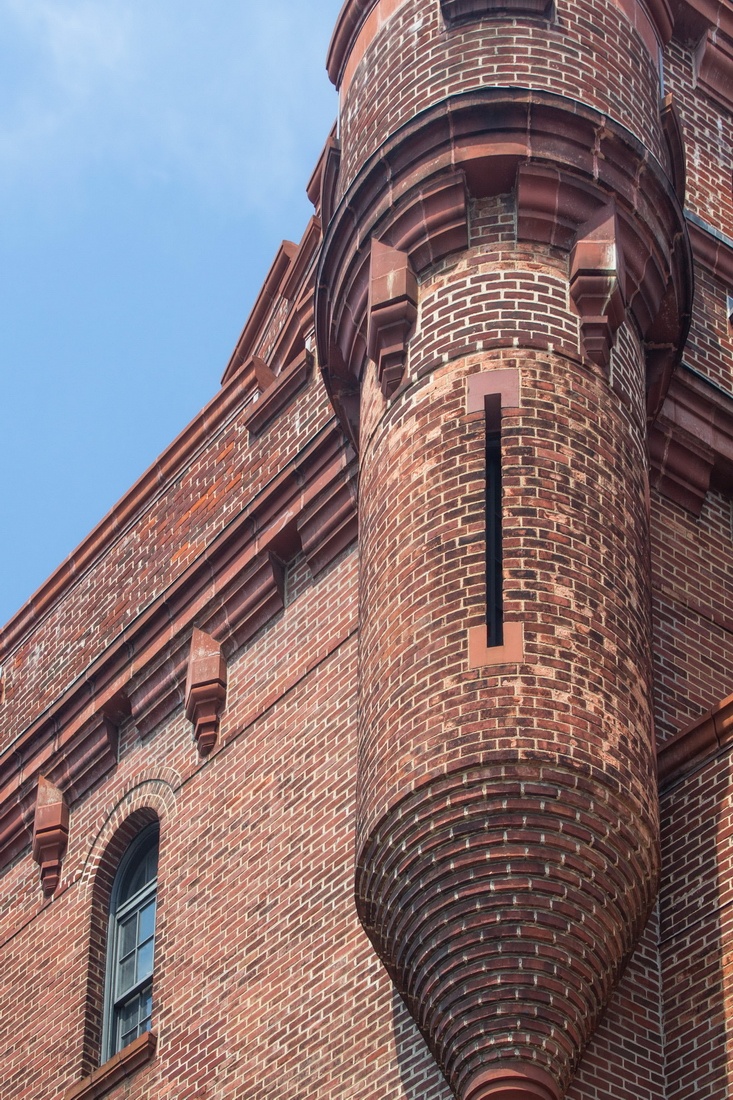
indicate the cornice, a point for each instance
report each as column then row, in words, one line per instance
column 692, row 746
column 714, row 66
column 277, row 396
column 225, row 404
column 564, row 161
column 693, row 17
column 266, row 299
column 348, row 24
column 230, row 592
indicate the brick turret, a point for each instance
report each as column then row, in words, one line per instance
column 506, row 243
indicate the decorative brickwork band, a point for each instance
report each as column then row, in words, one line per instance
column 206, row 688
column 598, row 283
column 50, row 833
column 392, row 313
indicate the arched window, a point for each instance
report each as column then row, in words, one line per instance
column 131, row 944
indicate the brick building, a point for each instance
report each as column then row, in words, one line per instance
column 423, row 788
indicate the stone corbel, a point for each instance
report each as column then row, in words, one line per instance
column 206, row 689
column 598, row 283
column 50, row 833
column 392, row 313
column 691, row 442
column 263, row 375
column 714, row 66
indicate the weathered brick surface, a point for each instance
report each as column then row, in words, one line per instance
column 708, row 136
column 415, row 61
column 696, row 931
column 499, row 821
column 693, row 610
column 460, row 768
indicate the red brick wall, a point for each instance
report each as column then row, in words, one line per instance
column 354, row 705
column 696, row 931
column 414, row 61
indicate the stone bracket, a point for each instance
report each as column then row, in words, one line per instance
column 598, row 283
column 714, row 66
column 392, row 313
column 50, row 833
column 691, row 442
column 206, row 689
column 277, row 391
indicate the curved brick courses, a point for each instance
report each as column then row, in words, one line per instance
column 414, row 61
column 507, row 820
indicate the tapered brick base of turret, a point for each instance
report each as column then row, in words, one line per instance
column 519, row 1082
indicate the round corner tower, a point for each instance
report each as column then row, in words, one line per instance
column 502, row 294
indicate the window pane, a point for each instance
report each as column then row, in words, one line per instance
column 145, row 960
column 126, row 975
column 147, row 922
column 146, row 1009
column 140, row 872
column 128, row 935
column 128, row 1021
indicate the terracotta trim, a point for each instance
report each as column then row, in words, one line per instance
column 313, row 187
column 692, row 17
column 211, row 418
column 279, row 395
column 116, row 1069
column 50, row 833
column 206, row 689
column 672, row 130
column 692, row 746
column 504, row 381
column 486, row 136
column 230, row 591
column 714, row 66
column 511, row 652
column 356, row 26
column 691, row 442
column 307, row 250
column 286, row 255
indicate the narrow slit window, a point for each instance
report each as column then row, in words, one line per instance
column 494, row 573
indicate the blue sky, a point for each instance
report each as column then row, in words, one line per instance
column 153, row 154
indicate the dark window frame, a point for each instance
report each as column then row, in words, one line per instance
column 128, row 906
